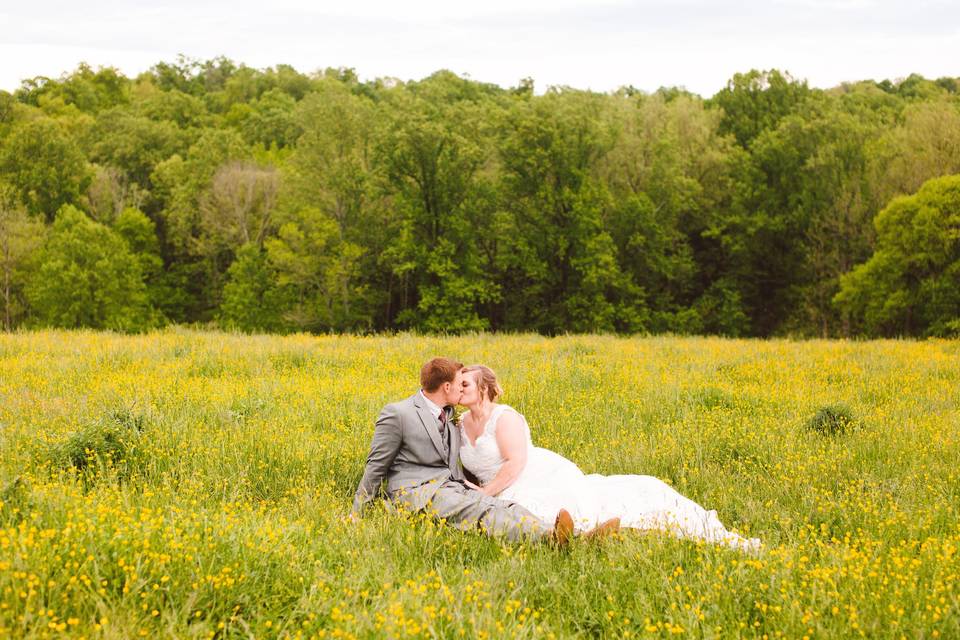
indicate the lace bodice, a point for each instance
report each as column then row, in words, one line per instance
column 483, row 458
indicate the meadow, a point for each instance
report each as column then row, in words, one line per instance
column 196, row 485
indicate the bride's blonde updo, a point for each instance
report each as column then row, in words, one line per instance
column 486, row 381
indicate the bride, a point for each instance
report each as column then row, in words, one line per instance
column 497, row 449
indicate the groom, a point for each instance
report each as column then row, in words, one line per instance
column 416, row 449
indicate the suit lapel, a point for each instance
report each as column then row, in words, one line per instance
column 454, row 461
column 429, row 423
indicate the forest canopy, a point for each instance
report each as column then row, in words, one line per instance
column 273, row 200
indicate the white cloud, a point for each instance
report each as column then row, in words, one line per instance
column 601, row 45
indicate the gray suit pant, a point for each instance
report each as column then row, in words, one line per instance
column 466, row 508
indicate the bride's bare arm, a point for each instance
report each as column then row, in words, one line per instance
column 512, row 442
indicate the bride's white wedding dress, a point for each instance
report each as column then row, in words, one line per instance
column 549, row 482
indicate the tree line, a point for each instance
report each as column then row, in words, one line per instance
column 272, row 200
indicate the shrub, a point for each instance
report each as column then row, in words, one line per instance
column 831, row 420
column 108, row 445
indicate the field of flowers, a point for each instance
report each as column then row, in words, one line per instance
column 195, row 485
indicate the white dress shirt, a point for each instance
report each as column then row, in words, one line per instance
column 434, row 409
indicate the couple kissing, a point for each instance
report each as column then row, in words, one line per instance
column 516, row 490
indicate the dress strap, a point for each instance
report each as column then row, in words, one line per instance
column 491, row 426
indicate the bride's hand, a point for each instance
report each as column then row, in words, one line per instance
column 472, row 486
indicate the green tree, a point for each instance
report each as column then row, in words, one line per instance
column 432, row 151
column 916, row 87
column 45, row 166
column 20, row 237
column 290, row 81
column 802, row 216
column 140, row 234
column 911, row 284
column 447, row 204
column 192, row 76
column 562, row 271
column 756, row 101
column 250, row 298
column 8, row 105
column 268, row 121
column 812, row 213
column 925, row 145
column 88, row 90
column 87, row 277
column 182, row 109
column 334, row 169
column 670, row 173
column 313, row 266
column 182, row 181
column 195, row 266
column 132, row 143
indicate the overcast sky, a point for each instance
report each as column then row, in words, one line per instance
column 596, row 44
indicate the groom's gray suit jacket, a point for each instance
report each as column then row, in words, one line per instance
column 408, row 453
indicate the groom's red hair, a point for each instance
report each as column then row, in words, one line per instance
column 437, row 371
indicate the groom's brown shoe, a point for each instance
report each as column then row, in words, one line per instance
column 563, row 528
column 605, row 529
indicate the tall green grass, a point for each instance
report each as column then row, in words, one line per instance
column 195, row 485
